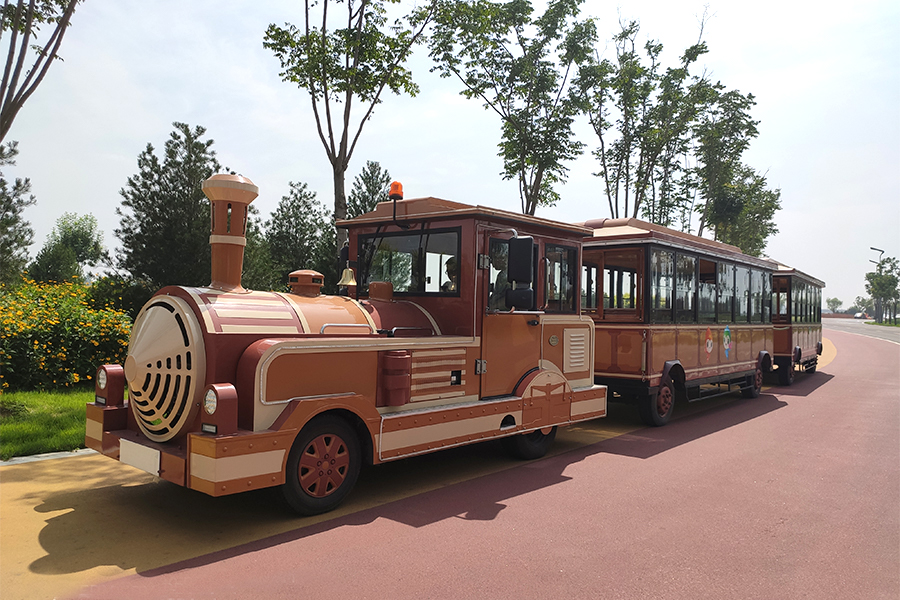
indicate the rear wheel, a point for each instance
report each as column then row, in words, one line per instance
column 322, row 467
column 754, row 384
column 811, row 367
column 531, row 445
column 656, row 409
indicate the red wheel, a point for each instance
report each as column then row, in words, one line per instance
column 323, row 466
column 656, row 409
column 755, row 382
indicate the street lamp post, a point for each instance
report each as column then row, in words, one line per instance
column 878, row 307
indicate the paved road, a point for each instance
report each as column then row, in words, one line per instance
column 795, row 494
column 861, row 327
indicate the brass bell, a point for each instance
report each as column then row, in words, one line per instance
column 347, row 278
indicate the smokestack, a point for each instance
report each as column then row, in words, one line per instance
column 229, row 197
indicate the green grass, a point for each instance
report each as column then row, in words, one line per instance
column 39, row 422
column 885, row 324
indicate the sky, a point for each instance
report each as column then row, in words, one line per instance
column 826, row 82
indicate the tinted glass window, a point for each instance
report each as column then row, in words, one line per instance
column 420, row 263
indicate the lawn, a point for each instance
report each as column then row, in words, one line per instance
column 39, row 422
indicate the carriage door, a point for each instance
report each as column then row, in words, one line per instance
column 510, row 331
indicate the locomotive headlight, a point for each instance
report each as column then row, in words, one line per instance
column 101, row 379
column 210, row 402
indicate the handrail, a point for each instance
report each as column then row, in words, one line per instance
column 366, row 325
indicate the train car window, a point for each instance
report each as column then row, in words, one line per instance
column 499, row 254
column 559, row 295
column 620, row 279
column 685, row 288
column 757, row 290
column 425, row 262
column 767, row 298
column 589, row 285
column 706, row 291
column 741, row 294
column 725, row 304
column 662, row 279
column 818, row 305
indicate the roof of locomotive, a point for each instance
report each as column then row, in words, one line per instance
column 786, row 270
column 426, row 209
column 624, row 231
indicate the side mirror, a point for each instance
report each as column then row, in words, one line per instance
column 520, row 268
column 520, row 273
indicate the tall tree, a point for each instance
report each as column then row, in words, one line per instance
column 164, row 218
column 883, row 285
column 299, row 234
column 370, row 187
column 15, row 232
column 346, row 61
column 834, row 304
column 21, row 21
column 642, row 116
column 751, row 215
column 520, row 66
column 74, row 244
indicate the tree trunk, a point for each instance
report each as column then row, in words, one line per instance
column 340, row 202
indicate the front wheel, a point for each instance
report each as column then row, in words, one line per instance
column 656, row 409
column 531, row 445
column 322, row 467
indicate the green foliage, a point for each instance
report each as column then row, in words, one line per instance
column 164, row 224
column 520, row 65
column 50, row 337
column 15, row 232
column 74, row 243
column 370, row 187
column 642, row 116
column 119, row 293
column 23, row 24
column 259, row 273
column 338, row 62
column 883, row 285
column 41, row 422
column 834, row 304
column 300, row 235
column 754, row 221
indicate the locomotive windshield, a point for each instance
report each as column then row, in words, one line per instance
column 424, row 262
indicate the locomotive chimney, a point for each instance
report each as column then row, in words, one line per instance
column 229, row 197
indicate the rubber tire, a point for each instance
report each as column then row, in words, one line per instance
column 649, row 405
column 811, row 368
column 529, row 446
column 786, row 374
column 318, row 431
column 755, row 387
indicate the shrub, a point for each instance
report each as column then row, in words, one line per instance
column 120, row 293
column 51, row 338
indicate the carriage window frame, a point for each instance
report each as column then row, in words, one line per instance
column 661, row 283
column 565, row 274
column 685, row 288
column 741, row 294
column 423, row 266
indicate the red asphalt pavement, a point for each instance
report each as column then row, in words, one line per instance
column 795, row 494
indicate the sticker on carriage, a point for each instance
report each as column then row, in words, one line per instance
column 709, row 343
column 726, row 340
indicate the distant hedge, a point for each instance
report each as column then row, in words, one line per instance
column 51, row 337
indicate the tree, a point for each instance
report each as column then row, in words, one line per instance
column 259, row 273
column 883, row 285
column 299, row 237
column 370, row 187
column 23, row 20
column 754, row 222
column 75, row 243
column 164, row 225
column 347, row 64
column 642, row 117
column 15, row 232
column 520, row 66
column 834, row 304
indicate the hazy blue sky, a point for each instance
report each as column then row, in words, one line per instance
column 826, row 79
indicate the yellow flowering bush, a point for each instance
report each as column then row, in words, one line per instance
column 50, row 337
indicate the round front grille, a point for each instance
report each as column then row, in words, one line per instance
column 165, row 367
